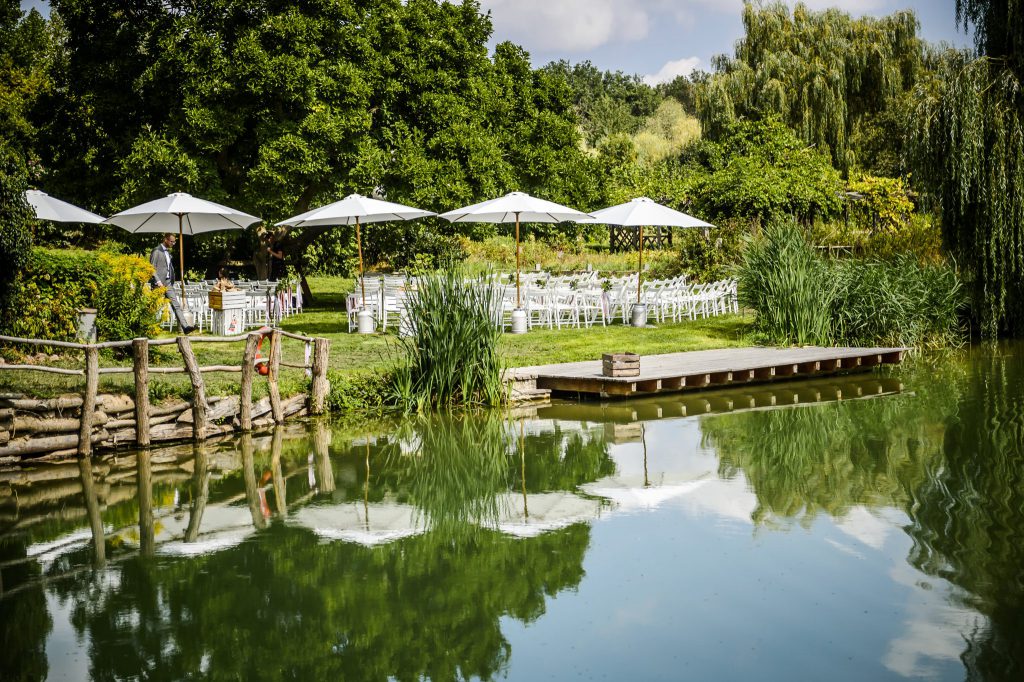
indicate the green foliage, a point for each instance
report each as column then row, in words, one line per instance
column 760, row 169
column 606, row 102
column 665, row 132
column 884, row 201
column 711, row 256
column 899, row 302
column 803, row 299
column 969, row 144
column 820, row 72
column 56, row 283
column 452, row 358
column 15, row 237
column 359, row 392
column 785, row 282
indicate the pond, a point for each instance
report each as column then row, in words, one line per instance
column 854, row 528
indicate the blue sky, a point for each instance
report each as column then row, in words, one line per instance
column 659, row 39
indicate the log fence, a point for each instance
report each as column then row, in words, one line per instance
column 120, row 420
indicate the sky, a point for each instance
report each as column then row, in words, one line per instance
column 659, row 39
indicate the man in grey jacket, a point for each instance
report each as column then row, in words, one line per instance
column 163, row 264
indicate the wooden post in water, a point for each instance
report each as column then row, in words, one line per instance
column 252, row 495
column 200, row 492
column 280, row 490
column 248, row 368
column 322, row 456
column 275, row 367
column 144, row 469
column 92, row 382
column 199, row 419
column 320, row 386
column 92, row 506
column 140, row 366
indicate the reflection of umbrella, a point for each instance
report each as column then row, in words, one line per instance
column 527, row 516
column 49, row 208
column 633, row 488
column 515, row 206
column 184, row 211
column 356, row 209
column 643, row 211
column 365, row 524
column 222, row 527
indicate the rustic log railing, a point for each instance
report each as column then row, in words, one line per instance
column 315, row 362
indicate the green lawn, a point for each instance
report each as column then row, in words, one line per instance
column 325, row 316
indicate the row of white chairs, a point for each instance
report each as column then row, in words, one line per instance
column 561, row 301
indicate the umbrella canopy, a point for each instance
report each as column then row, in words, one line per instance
column 189, row 214
column 640, row 212
column 516, row 207
column 634, row 492
column 49, row 208
column 222, row 527
column 529, row 515
column 356, row 209
column 365, row 524
column 643, row 211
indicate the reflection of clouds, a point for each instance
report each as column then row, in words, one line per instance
column 935, row 628
column 866, row 526
column 845, row 549
column 629, row 616
column 726, row 499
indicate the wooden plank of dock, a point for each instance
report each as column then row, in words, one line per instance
column 707, row 369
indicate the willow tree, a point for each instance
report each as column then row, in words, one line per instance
column 968, row 140
column 822, row 73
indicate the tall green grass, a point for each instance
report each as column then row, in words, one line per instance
column 452, row 358
column 802, row 298
column 786, row 283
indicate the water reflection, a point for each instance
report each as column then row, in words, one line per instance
column 425, row 549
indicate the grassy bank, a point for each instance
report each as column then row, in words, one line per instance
column 358, row 360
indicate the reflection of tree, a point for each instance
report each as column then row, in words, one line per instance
column 290, row 606
column 557, row 460
column 25, row 620
column 969, row 514
column 831, row 457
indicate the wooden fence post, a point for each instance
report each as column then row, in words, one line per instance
column 140, row 364
column 199, row 420
column 92, row 506
column 92, row 381
column 248, row 367
column 275, row 368
column 320, row 386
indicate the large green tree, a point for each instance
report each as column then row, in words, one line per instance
column 823, row 73
column 968, row 135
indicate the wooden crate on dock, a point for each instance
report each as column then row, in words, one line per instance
column 620, row 365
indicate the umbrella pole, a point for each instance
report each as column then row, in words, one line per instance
column 359, row 245
column 640, row 270
column 518, row 252
column 522, row 465
column 181, row 260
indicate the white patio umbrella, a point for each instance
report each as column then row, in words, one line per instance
column 362, row 523
column 50, row 208
column 640, row 212
column 517, row 207
column 189, row 214
column 356, row 209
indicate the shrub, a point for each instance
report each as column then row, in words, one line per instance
column 452, row 358
column 786, row 283
column 710, row 258
column 802, row 298
column 15, row 237
column 57, row 282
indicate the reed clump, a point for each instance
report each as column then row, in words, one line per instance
column 451, row 356
column 802, row 298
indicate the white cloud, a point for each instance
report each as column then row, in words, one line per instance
column 671, row 69
column 568, row 25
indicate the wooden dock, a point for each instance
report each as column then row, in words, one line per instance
column 675, row 372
